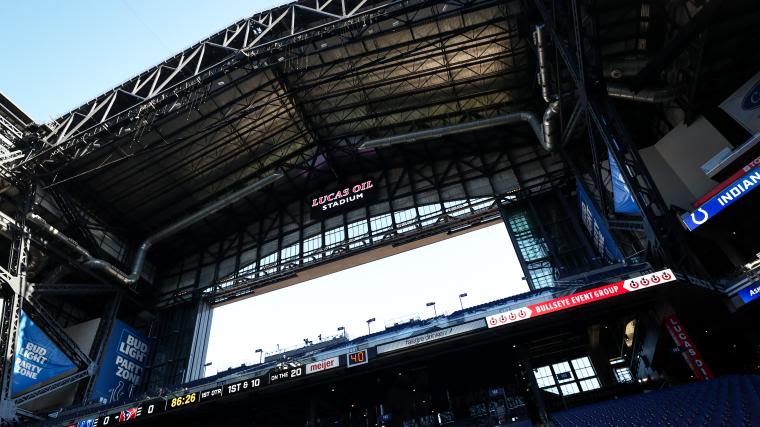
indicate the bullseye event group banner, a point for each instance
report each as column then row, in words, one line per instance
column 581, row 298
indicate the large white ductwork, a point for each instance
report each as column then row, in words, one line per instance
column 543, row 63
column 550, row 122
column 649, row 96
column 545, row 128
column 427, row 134
column 142, row 251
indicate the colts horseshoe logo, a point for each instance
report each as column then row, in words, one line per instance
column 705, row 216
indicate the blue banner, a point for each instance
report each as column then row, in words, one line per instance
column 722, row 200
column 123, row 365
column 750, row 293
column 624, row 202
column 596, row 226
column 37, row 358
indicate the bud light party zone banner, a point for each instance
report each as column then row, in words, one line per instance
column 123, row 364
column 597, row 227
column 581, row 298
column 37, row 358
column 623, row 199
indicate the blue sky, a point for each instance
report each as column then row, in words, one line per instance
column 57, row 55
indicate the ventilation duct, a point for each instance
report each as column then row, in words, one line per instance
column 550, row 121
column 543, row 63
column 650, row 96
column 139, row 260
column 518, row 117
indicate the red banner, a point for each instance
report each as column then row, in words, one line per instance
column 581, row 298
column 738, row 174
column 688, row 348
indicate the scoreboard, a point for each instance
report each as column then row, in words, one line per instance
column 162, row 405
column 357, row 357
column 282, row 375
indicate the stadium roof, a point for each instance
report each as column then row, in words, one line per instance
column 299, row 87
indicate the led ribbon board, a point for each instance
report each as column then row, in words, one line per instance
column 722, row 200
column 581, row 298
column 193, row 398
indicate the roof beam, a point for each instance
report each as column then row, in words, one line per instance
column 673, row 48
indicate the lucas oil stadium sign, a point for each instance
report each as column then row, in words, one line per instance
column 722, row 200
column 343, row 198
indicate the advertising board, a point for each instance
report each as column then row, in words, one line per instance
column 122, row 366
column 37, row 360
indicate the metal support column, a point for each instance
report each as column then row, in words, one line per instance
column 99, row 343
column 13, row 290
column 568, row 34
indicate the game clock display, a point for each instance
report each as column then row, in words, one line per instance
column 183, row 400
column 357, row 358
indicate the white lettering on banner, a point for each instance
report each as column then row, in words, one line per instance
column 322, row 365
column 31, row 360
column 691, row 355
column 128, row 370
column 739, row 188
column 134, row 348
column 340, row 202
column 129, row 367
column 580, row 298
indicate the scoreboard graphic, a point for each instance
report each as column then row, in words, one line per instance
column 355, row 357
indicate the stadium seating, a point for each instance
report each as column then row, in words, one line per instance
column 732, row 400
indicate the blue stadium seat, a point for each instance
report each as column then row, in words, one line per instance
column 732, row 400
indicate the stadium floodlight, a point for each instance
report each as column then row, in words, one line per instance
column 341, row 328
column 261, row 355
column 369, row 331
column 462, row 295
column 432, row 304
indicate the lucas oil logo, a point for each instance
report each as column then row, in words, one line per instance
column 751, row 101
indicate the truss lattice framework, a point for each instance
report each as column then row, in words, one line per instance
column 13, row 288
column 181, row 79
column 488, row 55
column 572, row 32
column 416, row 200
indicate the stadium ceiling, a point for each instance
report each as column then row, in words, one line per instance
column 294, row 89
column 298, row 88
